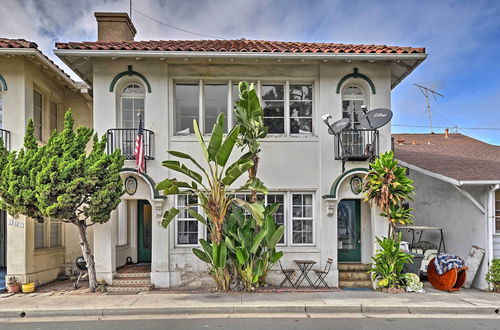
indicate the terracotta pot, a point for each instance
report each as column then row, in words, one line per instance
column 14, row 288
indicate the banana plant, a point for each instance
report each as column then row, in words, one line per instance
column 215, row 255
column 253, row 248
column 211, row 183
column 387, row 186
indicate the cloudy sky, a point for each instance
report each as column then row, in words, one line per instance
column 462, row 39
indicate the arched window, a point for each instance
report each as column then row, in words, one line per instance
column 132, row 104
column 353, row 97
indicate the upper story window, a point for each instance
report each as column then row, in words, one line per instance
column 132, row 103
column 53, row 116
column 38, row 113
column 497, row 212
column 353, row 97
column 287, row 107
column 1, row 109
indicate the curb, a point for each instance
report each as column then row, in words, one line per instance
column 240, row 309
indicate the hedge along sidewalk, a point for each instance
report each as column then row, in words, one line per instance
column 433, row 302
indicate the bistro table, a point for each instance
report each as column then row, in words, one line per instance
column 305, row 267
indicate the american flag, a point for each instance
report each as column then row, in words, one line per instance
column 140, row 159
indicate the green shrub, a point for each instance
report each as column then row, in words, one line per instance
column 493, row 275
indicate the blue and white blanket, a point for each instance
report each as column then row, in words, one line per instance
column 445, row 262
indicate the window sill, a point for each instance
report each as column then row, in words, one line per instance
column 122, row 247
column 52, row 250
column 184, row 249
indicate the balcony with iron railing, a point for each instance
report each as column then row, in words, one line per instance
column 5, row 135
column 357, row 145
column 124, row 139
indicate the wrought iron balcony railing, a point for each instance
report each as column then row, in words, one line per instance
column 5, row 135
column 124, row 139
column 357, row 145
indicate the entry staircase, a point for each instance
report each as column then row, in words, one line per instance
column 354, row 276
column 132, row 279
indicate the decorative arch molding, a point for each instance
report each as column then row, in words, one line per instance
column 356, row 75
column 336, row 184
column 3, row 83
column 149, row 180
column 129, row 72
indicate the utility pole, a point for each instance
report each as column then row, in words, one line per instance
column 130, row 9
column 428, row 92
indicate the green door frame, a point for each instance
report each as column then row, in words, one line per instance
column 143, row 253
column 353, row 255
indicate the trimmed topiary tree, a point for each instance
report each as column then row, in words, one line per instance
column 63, row 181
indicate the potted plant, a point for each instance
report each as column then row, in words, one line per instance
column 493, row 275
column 28, row 287
column 13, row 285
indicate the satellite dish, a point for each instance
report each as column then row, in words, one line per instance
column 338, row 126
column 376, row 118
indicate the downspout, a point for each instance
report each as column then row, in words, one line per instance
column 490, row 221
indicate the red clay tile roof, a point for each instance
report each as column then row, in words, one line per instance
column 22, row 43
column 17, row 43
column 247, row 46
column 459, row 157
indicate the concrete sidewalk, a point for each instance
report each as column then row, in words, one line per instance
column 153, row 303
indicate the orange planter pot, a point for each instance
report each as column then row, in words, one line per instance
column 452, row 280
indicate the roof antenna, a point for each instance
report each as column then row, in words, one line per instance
column 427, row 92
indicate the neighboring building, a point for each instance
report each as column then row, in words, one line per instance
column 33, row 87
column 172, row 82
column 457, row 181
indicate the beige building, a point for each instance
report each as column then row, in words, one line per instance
column 33, row 87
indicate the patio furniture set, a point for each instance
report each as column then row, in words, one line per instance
column 305, row 266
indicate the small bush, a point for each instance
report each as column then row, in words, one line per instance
column 493, row 275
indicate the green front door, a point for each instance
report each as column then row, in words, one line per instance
column 349, row 230
column 144, row 217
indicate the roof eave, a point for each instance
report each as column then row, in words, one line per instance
column 44, row 60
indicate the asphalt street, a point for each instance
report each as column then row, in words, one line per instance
column 266, row 323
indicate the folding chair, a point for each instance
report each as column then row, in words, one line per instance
column 322, row 274
column 288, row 275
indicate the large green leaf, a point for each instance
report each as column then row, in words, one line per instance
column 168, row 187
column 222, row 255
column 181, row 168
column 216, row 253
column 276, row 256
column 241, row 256
column 202, row 255
column 199, row 136
column 255, row 209
column 183, row 155
column 168, row 216
column 255, row 184
column 197, row 216
column 216, row 138
column 206, row 246
column 271, row 243
column 236, row 170
column 257, row 240
column 227, row 146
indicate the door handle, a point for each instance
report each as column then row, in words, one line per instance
column 359, row 241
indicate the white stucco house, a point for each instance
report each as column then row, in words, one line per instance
column 33, row 87
column 457, row 182
column 172, row 82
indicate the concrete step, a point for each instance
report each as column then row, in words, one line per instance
column 131, row 280
column 355, row 284
column 132, row 275
column 352, row 267
column 130, row 288
column 356, row 276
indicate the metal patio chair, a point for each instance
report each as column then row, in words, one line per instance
column 288, row 275
column 321, row 273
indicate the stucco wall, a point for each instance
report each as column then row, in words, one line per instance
column 438, row 203
column 288, row 163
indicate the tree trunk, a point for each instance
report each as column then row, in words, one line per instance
column 252, row 174
column 87, row 254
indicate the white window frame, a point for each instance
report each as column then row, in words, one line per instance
column 201, row 231
column 229, row 112
column 1, row 107
column 291, row 217
column 497, row 212
column 52, row 116
column 138, row 96
column 364, row 97
column 36, row 109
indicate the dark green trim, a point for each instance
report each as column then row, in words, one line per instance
column 4, row 83
column 355, row 75
column 338, row 180
column 129, row 72
column 143, row 253
column 352, row 255
column 150, row 180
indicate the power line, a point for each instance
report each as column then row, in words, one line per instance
column 175, row 27
column 468, row 128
